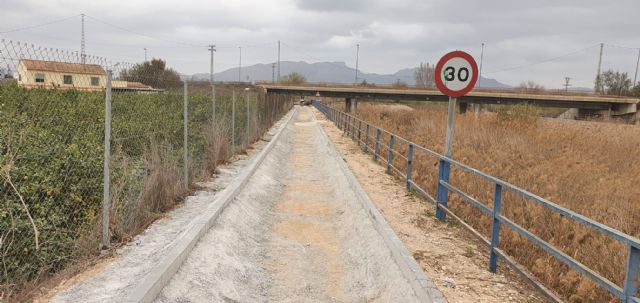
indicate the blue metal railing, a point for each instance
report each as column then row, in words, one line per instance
column 628, row 293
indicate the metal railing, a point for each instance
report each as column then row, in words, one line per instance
column 354, row 127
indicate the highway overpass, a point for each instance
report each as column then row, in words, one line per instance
column 592, row 104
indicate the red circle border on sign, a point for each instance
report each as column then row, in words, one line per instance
column 438, row 74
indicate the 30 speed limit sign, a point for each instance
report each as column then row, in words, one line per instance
column 456, row 74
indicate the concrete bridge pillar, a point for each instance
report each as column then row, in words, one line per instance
column 477, row 109
column 463, row 107
column 350, row 105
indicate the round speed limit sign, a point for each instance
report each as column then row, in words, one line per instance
column 456, row 74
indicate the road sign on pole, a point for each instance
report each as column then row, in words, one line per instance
column 455, row 75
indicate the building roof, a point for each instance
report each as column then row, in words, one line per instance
column 63, row 67
column 137, row 85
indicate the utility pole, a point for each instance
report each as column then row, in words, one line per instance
column 145, row 54
column 357, row 57
column 273, row 73
column 278, row 61
column 598, row 77
column 212, row 49
column 481, row 57
column 566, row 83
column 83, row 56
column 635, row 78
column 240, row 65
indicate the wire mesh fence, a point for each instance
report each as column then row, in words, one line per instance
column 163, row 135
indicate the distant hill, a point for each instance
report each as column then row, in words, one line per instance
column 330, row 72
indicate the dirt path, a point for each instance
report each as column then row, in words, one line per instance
column 296, row 233
column 447, row 253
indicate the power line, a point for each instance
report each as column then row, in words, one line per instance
column 144, row 35
column 542, row 61
column 248, row 46
column 38, row 25
column 620, row 46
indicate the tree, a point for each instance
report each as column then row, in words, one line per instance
column 424, row 75
column 530, row 86
column 616, row 83
column 399, row 84
column 635, row 91
column 153, row 73
column 294, row 78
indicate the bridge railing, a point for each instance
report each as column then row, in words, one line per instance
column 399, row 154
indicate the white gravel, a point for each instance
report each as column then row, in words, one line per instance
column 296, row 233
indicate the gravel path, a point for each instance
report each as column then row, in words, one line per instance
column 296, row 233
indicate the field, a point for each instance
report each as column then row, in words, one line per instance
column 588, row 167
column 51, row 166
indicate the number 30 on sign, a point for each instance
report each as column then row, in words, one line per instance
column 456, row 74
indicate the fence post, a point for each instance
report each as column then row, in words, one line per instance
column 106, row 181
column 345, row 129
column 392, row 138
column 409, row 166
column 495, row 228
column 185, row 142
column 366, row 140
column 353, row 128
column 345, row 124
column 376, row 147
column 442, row 195
column 213, row 104
column 359, row 131
column 233, row 121
column 248, row 130
column 631, row 277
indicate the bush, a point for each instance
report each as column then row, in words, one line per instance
column 51, row 150
column 525, row 113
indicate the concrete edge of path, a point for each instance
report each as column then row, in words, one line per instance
column 152, row 284
column 422, row 285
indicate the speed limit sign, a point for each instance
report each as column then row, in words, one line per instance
column 456, row 74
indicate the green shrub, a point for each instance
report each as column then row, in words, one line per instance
column 51, row 149
column 526, row 113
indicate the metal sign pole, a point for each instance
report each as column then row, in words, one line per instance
column 444, row 167
column 451, row 121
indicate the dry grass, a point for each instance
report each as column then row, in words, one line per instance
column 218, row 146
column 591, row 168
column 147, row 190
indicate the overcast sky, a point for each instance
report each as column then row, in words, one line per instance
column 392, row 34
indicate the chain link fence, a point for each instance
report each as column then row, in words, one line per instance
column 62, row 114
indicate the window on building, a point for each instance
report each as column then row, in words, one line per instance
column 68, row 79
column 39, row 78
column 95, row 81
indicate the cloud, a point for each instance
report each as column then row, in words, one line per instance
column 392, row 34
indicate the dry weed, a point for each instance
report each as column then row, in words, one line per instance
column 590, row 168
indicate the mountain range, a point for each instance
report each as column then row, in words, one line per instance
column 327, row 72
